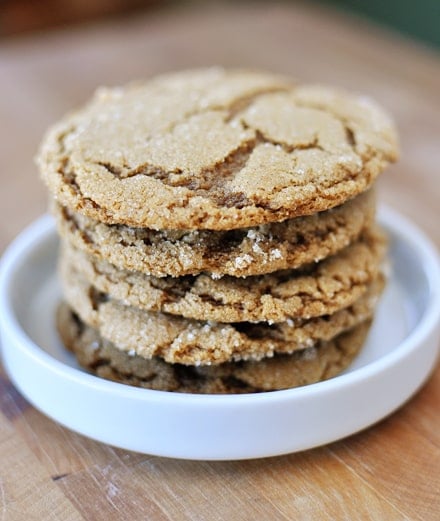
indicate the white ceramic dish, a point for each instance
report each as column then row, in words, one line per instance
column 398, row 357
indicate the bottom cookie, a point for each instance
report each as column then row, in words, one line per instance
column 314, row 364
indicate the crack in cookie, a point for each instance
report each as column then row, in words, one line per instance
column 215, row 150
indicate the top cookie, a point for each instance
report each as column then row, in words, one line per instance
column 215, row 149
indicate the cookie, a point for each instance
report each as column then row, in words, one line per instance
column 215, row 149
column 318, row 289
column 192, row 342
column 320, row 362
column 242, row 252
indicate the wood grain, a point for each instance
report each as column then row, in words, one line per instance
column 390, row 471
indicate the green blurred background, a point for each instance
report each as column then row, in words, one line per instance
column 417, row 18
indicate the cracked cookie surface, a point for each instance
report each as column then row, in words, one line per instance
column 215, row 149
column 240, row 253
column 317, row 289
column 196, row 342
column 320, row 362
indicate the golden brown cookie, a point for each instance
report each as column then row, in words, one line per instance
column 193, row 342
column 318, row 289
column 215, row 149
column 320, row 362
column 242, row 252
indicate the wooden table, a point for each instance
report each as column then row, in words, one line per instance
column 390, row 471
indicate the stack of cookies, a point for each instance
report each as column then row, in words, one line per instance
column 218, row 230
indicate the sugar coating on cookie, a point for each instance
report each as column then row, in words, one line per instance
column 203, row 342
column 239, row 253
column 319, row 362
column 215, row 149
column 317, row 289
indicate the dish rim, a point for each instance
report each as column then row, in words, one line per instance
column 40, row 230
